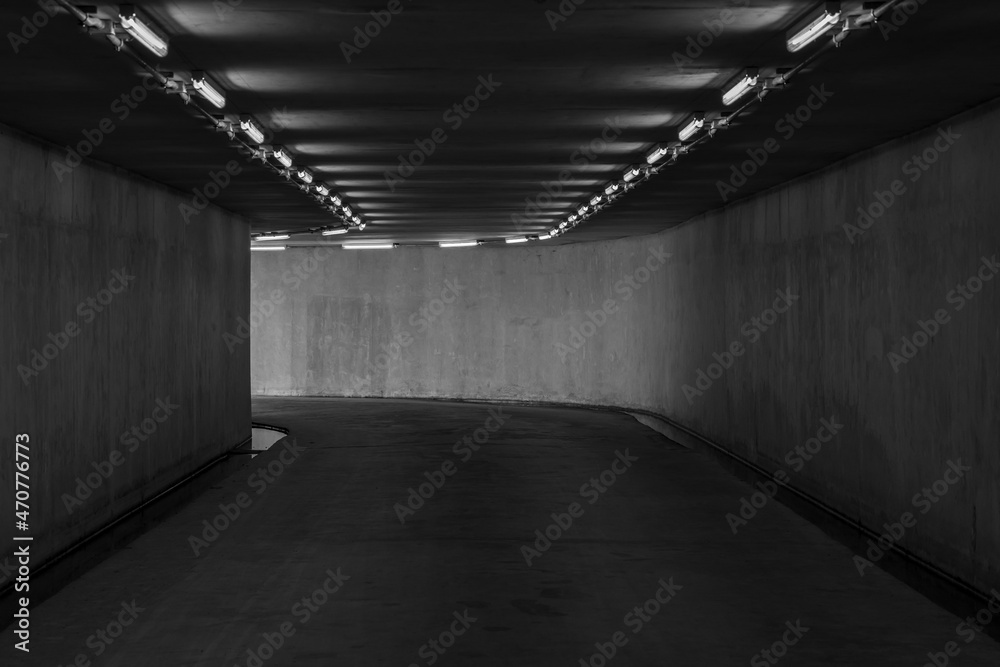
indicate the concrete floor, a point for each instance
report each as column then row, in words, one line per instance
column 329, row 509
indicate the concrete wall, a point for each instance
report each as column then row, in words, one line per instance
column 148, row 347
column 345, row 323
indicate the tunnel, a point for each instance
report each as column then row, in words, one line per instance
column 564, row 332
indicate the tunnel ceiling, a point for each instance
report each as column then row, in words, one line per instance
column 630, row 71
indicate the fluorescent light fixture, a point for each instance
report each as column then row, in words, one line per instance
column 201, row 83
column 656, row 155
column 458, row 244
column 334, row 232
column 631, row 174
column 282, row 156
column 305, row 175
column 518, row 239
column 368, row 246
column 141, row 31
column 266, row 247
column 322, row 190
column 813, row 27
column 251, row 129
column 743, row 84
column 273, row 237
column 596, row 200
column 336, row 201
column 691, row 128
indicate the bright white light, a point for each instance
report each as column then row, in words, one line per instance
column 335, row 200
column 334, row 232
column 305, row 175
column 696, row 123
column 563, row 224
column 201, row 83
column 458, row 244
column 362, row 225
column 746, row 83
column 282, row 156
column 266, row 247
column 573, row 217
column 545, row 237
column 251, row 130
column 144, row 34
column 273, row 237
column 611, row 189
column 582, row 210
column 322, row 190
column 347, row 212
column 519, row 239
column 814, row 28
column 368, row 246
column 596, row 200
column 656, row 155
column 631, row 174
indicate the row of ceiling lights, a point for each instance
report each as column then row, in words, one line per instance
column 143, row 31
column 808, row 30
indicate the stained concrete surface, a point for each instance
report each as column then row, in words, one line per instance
column 329, row 509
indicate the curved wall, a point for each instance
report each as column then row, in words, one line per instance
column 826, row 356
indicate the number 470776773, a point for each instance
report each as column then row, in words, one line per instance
column 22, row 494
